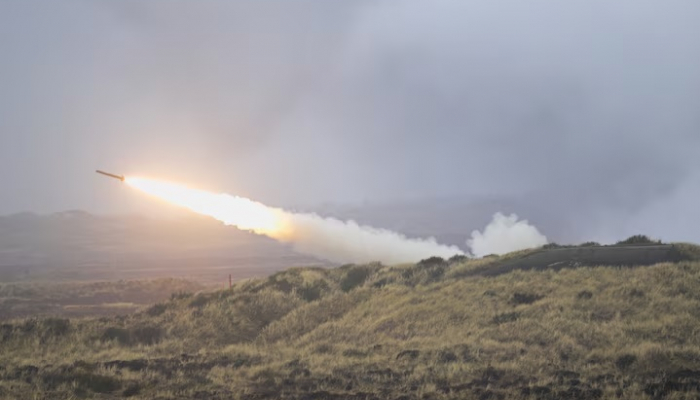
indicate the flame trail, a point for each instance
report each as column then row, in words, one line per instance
column 327, row 238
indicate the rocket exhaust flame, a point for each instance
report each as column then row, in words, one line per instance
column 327, row 238
column 231, row 210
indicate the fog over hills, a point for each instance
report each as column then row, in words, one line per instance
column 75, row 245
column 79, row 245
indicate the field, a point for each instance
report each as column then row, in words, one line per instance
column 75, row 299
column 435, row 330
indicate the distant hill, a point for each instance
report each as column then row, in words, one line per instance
column 75, row 245
column 492, row 328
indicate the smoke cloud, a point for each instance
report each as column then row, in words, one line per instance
column 505, row 234
column 348, row 241
column 589, row 106
column 326, row 238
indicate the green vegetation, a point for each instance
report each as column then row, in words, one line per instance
column 423, row 331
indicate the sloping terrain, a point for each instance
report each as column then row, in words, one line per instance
column 434, row 330
column 576, row 256
column 77, row 246
column 76, row 299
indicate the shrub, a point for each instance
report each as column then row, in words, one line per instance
column 625, row 361
column 433, row 268
column 638, row 239
column 180, row 295
column 82, row 380
column 446, row 356
column 584, row 295
column 552, row 246
column 457, row 259
column 281, row 284
column 131, row 390
column 56, row 326
column 409, row 354
column 313, row 291
column 506, row 317
column 156, row 309
column 431, row 262
column 98, row 383
column 147, row 335
column 525, row 298
column 354, row 353
column 199, row 301
column 382, row 282
column 121, row 335
column 355, row 277
column 589, row 244
column 6, row 332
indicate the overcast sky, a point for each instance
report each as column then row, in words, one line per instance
column 588, row 109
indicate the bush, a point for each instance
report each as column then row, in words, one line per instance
column 199, row 301
column 625, row 361
column 506, row 317
column 584, row 295
column 355, row 277
column 457, row 259
column 552, row 246
column 156, row 309
column 313, row 291
column 121, row 335
column 589, row 244
column 638, row 239
column 180, row 295
column 431, row 262
column 280, row 283
column 56, row 326
column 382, row 282
column 525, row 298
column 147, row 335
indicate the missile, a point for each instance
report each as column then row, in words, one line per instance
column 120, row 177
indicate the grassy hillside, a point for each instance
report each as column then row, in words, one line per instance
column 434, row 330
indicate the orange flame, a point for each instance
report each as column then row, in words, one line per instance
column 231, row 210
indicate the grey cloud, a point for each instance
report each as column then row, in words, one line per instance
column 583, row 111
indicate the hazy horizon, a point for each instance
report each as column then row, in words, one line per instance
column 580, row 116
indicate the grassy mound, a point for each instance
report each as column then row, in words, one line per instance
column 425, row 331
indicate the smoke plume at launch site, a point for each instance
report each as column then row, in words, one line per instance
column 505, row 234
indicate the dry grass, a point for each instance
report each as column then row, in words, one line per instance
column 374, row 332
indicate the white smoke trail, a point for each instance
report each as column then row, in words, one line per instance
column 340, row 241
column 505, row 234
column 326, row 238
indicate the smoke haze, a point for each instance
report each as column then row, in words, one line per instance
column 505, row 234
column 340, row 241
column 581, row 116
